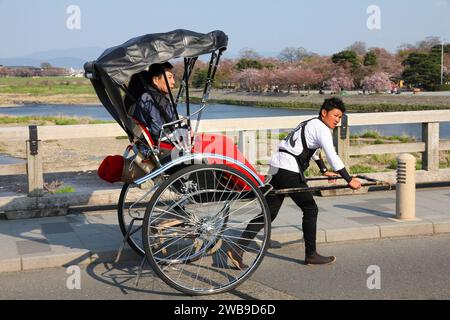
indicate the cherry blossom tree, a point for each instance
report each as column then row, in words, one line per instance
column 303, row 77
column 285, row 77
column 321, row 66
column 379, row 81
column 446, row 63
column 388, row 62
column 340, row 80
column 3, row 71
column 250, row 79
column 225, row 72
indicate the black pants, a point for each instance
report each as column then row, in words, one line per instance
column 281, row 180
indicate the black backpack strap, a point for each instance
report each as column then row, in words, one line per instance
column 298, row 158
column 302, row 134
column 303, row 138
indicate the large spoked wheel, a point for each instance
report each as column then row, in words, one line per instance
column 133, row 202
column 194, row 223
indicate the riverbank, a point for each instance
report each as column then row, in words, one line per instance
column 46, row 90
column 79, row 91
column 20, row 99
column 6, row 120
column 312, row 101
column 355, row 103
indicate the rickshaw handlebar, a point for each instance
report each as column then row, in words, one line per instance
column 371, row 182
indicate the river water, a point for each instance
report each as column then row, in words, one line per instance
column 213, row 111
column 216, row 111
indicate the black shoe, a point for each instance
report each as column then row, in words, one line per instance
column 317, row 259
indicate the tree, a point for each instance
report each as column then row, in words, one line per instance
column 387, row 62
column 55, row 72
column 248, row 79
column 225, row 73
column 446, row 64
column 358, row 46
column 424, row 45
column 199, row 78
column 291, row 54
column 302, row 78
column 271, row 79
column 377, row 82
column 46, row 65
column 249, row 53
column 270, row 63
column 3, row 71
column 346, row 57
column 340, row 79
column 428, row 43
column 178, row 69
column 422, row 70
column 245, row 63
column 370, row 59
column 322, row 66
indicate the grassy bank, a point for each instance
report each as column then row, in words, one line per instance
column 46, row 90
column 351, row 107
column 46, row 86
column 47, row 120
column 69, row 90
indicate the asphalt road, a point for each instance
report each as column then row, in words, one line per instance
column 400, row 268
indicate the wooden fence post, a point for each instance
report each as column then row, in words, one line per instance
column 430, row 135
column 248, row 145
column 341, row 139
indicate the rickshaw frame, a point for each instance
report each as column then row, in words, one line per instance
column 109, row 75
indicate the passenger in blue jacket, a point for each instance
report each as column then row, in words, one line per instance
column 152, row 107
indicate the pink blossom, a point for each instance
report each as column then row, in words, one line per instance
column 379, row 81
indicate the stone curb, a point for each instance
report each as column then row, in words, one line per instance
column 407, row 228
column 83, row 257
column 63, row 259
column 24, row 207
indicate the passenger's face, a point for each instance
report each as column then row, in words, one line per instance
column 331, row 118
column 160, row 83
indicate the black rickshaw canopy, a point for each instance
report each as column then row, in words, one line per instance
column 112, row 70
column 137, row 54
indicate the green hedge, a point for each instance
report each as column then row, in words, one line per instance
column 444, row 87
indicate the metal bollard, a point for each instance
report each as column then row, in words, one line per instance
column 406, row 187
column 35, row 173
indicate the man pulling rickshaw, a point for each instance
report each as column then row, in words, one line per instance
column 204, row 221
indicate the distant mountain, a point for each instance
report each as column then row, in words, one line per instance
column 67, row 58
column 76, row 57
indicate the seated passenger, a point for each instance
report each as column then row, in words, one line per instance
column 153, row 109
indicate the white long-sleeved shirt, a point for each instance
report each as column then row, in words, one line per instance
column 318, row 136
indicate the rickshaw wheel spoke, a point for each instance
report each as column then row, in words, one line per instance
column 191, row 255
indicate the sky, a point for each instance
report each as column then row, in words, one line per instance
column 321, row 26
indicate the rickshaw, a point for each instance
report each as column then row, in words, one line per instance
column 181, row 209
